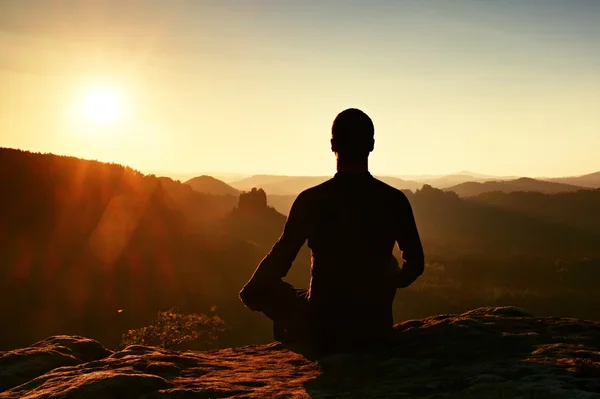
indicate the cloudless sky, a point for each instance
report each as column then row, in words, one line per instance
column 506, row 87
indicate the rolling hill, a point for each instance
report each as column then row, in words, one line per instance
column 444, row 181
column 469, row 189
column 278, row 184
column 210, row 185
column 591, row 180
column 575, row 208
column 81, row 238
column 282, row 203
column 293, row 185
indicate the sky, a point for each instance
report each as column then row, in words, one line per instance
column 503, row 88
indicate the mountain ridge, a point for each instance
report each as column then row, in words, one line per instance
column 97, row 237
column 470, row 189
column 591, row 180
column 293, row 185
column 211, row 185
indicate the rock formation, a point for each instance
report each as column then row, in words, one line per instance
column 484, row 353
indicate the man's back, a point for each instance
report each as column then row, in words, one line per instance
column 351, row 223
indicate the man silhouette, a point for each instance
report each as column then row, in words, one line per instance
column 351, row 223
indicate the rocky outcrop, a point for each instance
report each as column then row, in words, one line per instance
column 485, row 353
column 19, row 366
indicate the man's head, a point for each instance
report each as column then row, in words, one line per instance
column 352, row 134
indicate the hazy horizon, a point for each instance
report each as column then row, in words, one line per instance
column 232, row 175
column 499, row 88
column 235, row 174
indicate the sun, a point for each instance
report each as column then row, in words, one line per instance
column 102, row 106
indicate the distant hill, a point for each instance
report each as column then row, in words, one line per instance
column 400, row 184
column 470, row 189
column 210, row 185
column 444, row 181
column 227, row 177
column 591, row 180
column 81, row 237
column 471, row 175
column 282, row 203
column 459, row 178
column 453, row 180
column 576, row 208
column 293, row 185
column 94, row 249
column 279, row 185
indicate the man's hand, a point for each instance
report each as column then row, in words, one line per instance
column 399, row 276
column 278, row 261
column 252, row 295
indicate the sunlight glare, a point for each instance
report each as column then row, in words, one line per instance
column 102, row 106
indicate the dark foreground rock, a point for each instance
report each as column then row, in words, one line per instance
column 485, row 353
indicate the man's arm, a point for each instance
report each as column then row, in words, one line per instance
column 279, row 260
column 409, row 242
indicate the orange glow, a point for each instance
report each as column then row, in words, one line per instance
column 102, row 106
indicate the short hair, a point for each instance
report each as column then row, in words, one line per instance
column 352, row 133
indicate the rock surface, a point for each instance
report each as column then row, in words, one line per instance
column 485, row 353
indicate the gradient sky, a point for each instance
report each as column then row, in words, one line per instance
column 506, row 87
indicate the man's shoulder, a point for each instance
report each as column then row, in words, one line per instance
column 316, row 191
column 386, row 189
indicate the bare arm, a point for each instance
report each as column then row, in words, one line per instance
column 279, row 260
column 409, row 242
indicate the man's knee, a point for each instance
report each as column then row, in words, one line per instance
column 256, row 296
column 276, row 300
column 251, row 298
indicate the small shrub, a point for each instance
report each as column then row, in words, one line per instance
column 172, row 328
